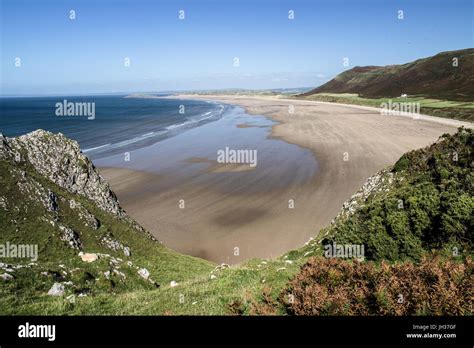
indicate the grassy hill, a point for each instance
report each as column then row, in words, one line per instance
column 425, row 202
column 441, row 89
column 414, row 219
column 57, row 216
column 433, row 77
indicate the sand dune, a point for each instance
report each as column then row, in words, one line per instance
column 349, row 143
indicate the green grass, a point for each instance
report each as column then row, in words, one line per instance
column 197, row 296
column 441, row 108
column 26, row 221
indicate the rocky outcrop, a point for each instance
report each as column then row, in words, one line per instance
column 70, row 237
column 376, row 183
column 52, row 195
column 34, row 190
column 4, row 148
column 115, row 245
column 60, row 160
column 84, row 215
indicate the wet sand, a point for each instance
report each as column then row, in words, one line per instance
column 230, row 213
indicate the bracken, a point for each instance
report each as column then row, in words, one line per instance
column 435, row 286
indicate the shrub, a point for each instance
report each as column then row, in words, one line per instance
column 332, row 286
column 401, row 164
column 429, row 205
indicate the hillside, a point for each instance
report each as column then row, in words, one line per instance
column 52, row 197
column 432, row 77
column 414, row 219
column 424, row 202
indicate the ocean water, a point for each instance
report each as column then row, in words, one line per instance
column 120, row 124
column 190, row 156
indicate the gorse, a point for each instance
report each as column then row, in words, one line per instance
column 427, row 205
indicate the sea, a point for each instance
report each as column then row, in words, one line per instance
column 119, row 123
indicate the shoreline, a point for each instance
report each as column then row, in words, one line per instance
column 423, row 117
column 261, row 224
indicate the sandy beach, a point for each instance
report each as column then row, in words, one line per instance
column 231, row 213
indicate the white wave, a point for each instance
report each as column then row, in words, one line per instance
column 95, row 148
column 147, row 135
column 136, row 139
column 200, row 118
column 174, row 126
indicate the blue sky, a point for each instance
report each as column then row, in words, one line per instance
column 86, row 55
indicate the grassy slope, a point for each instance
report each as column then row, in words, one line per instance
column 426, row 204
column 434, row 77
column 416, row 224
column 198, row 296
column 441, row 89
column 26, row 221
column 459, row 110
column 255, row 282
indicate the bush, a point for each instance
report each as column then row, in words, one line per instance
column 401, row 164
column 429, row 205
column 332, row 286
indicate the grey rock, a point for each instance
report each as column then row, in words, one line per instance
column 89, row 219
column 52, row 201
column 144, row 273
column 60, row 160
column 6, row 276
column 120, row 274
column 115, row 245
column 70, row 237
column 56, row 290
column 3, row 203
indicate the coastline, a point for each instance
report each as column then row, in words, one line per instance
column 261, row 224
column 422, row 117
